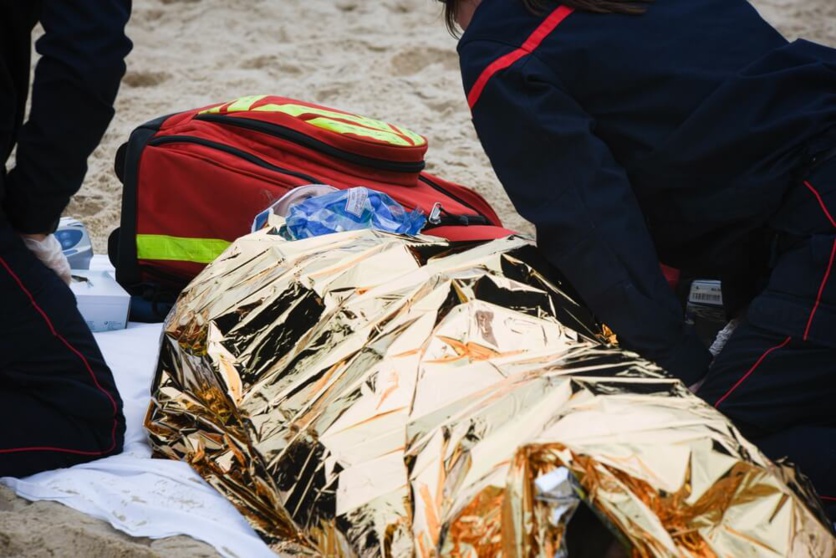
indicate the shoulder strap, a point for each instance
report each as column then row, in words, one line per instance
column 530, row 45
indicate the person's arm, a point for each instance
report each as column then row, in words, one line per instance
column 76, row 80
column 564, row 179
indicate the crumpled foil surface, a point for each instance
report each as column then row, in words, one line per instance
column 369, row 394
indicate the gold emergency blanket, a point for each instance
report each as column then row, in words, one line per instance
column 368, row 394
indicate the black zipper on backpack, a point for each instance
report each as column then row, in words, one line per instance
column 258, row 161
column 307, row 141
column 446, row 218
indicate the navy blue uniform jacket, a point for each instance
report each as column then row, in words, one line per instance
column 76, row 81
column 630, row 140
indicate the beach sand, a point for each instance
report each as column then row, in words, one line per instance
column 388, row 59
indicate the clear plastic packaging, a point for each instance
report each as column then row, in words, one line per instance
column 349, row 210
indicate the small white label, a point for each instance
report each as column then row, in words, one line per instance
column 356, row 202
column 706, row 292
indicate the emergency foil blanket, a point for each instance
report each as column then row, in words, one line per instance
column 369, row 394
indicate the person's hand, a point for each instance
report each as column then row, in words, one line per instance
column 723, row 336
column 48, row 250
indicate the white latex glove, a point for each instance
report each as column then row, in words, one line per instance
column 723, row 337
column 719, row 342
column 48, row 250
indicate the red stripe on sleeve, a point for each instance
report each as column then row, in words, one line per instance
column 530, row 45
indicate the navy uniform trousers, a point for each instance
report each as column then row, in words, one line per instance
column 58, row 401
column 776, row 377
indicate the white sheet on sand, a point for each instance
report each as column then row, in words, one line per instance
column 141, row 496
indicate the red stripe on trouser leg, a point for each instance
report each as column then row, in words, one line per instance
column 821, row 202
column 84, row 361
column 821, row 290
column 752, row 370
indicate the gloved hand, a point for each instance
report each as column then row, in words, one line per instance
column 723, row 337
column 719, row 342
column 48, row 250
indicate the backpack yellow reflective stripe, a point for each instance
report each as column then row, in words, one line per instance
column 339, row 122
column 163, row 247
column 389, row 137
column 349, row 123
column 238, row 105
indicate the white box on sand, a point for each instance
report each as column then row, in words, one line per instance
column 103, row 303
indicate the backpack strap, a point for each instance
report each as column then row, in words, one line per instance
column 530, row 45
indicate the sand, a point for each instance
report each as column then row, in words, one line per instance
column 389, row 59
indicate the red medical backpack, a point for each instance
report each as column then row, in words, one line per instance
column 193, row 181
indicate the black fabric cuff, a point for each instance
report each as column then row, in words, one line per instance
column 688, row 360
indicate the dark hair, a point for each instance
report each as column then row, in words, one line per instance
column 630, row 7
